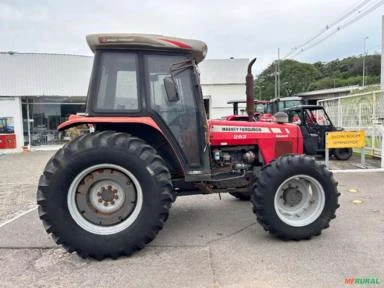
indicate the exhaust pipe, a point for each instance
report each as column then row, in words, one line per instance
column 249, row 91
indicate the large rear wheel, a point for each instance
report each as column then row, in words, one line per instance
column 295, row 197
column 104, row 195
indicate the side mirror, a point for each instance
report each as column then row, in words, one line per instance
column 171, row 89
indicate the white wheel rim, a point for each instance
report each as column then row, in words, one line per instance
column 299, row 200
column 98, row 229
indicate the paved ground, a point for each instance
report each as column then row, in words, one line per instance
column 207, row 242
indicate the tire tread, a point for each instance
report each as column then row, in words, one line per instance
column 102, row 140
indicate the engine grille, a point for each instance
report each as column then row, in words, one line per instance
column 282, row 148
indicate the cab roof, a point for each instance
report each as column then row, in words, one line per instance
column 151, row 41
column 300, row 107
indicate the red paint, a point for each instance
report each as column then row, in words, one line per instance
column 176, row 43
column 221, row 132
column 263, row 134
column 75, row 120
column 7, row 141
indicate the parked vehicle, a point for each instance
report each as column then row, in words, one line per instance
column 5, row 128
column 108, row 193
column 314, row 123
column 264, row 109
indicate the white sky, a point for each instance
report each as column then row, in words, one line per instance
column 240, row 29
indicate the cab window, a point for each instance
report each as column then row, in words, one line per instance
column 118, row 84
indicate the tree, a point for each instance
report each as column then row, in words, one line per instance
column 295, row 77
column 298, row 77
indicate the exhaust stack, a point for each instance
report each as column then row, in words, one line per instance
column 249, row 91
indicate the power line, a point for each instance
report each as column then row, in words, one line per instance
column 350, row 11
column 355, row 8
column 338, row 28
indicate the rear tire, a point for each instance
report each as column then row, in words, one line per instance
column 342, row 154
column 105, row 195
column 295, row 197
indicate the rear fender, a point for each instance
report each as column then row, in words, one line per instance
column 75, row 120
column 142, row 127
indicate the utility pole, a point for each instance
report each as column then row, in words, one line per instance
column 278, row 72
column 275, row 79
column 364, row 54
column 277, row 75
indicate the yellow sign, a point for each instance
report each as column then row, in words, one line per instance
column 345, row 139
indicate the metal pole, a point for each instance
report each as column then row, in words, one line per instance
column 362, row 152
column 360, row 116
column 382, row 150
column 326, row 150
column 374, row 120
column 363, row 71
column 364, row 53
column 249, row 91
column 29, row 127
column 278, row 72
column 276, row 79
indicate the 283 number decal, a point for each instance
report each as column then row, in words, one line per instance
column 239, row 136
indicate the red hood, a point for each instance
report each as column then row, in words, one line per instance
column 265, row 135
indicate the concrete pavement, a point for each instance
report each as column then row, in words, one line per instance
column 206, row 242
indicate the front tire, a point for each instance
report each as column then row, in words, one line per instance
column 295, row 197
column 105, row 195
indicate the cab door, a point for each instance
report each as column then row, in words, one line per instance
column 181, row 119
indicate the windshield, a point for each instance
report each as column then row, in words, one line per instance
column 317, row 116
column 288, row 104
column 260, row 107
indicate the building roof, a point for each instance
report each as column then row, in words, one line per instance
column 38, row 74
column 32, row 74
column 299, row 107
column 328, row 91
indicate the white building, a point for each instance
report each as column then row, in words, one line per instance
column 223, row 80
column 46, row 88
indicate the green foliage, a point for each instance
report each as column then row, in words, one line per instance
column 298, row 77
column 295, row 77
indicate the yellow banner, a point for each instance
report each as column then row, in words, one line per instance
column 345, row 139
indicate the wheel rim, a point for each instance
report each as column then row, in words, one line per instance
column 299, row 200
column 105, row 199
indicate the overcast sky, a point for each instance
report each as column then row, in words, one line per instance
column 240, row 29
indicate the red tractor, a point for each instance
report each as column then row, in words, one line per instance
column 108, row 193
column 264, row 109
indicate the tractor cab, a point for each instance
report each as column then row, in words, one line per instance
column 271, row 107
column 264, row 110
column 280, row 104
column 148, row 85
column 314, row 123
